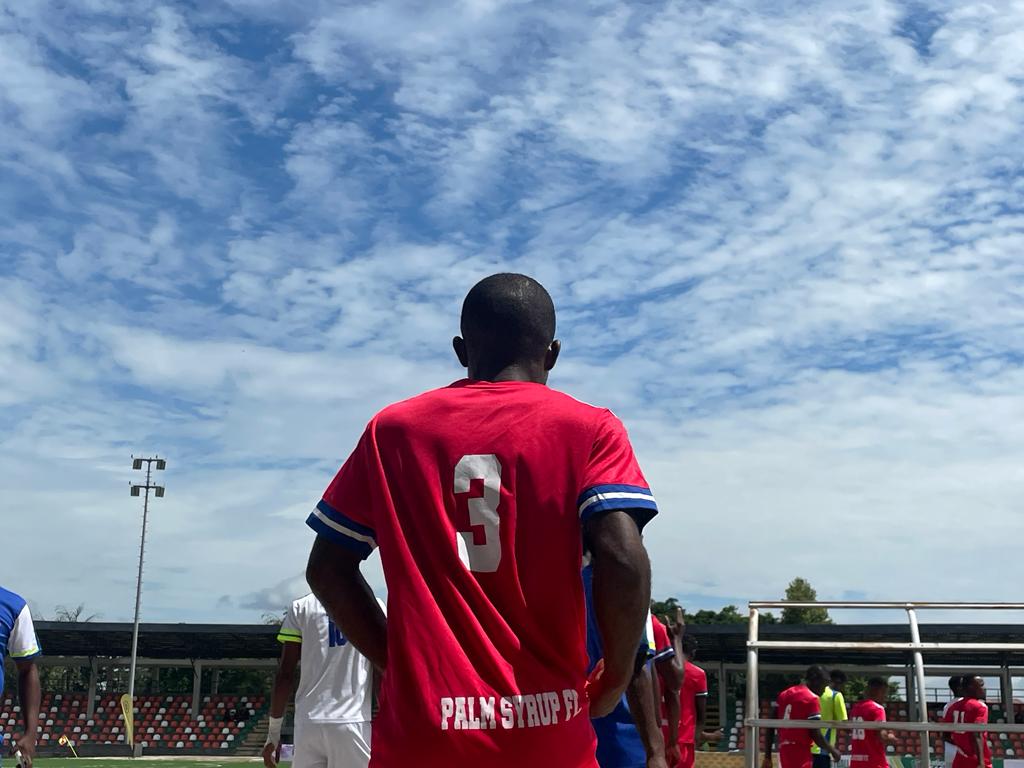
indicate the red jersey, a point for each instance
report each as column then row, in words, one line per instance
column 866, row 746
column 797, row 703
column 662, row 645
column 695, row 685
column 969, row 711
column 476, row 495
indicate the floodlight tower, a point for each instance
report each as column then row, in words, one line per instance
column 151, row 463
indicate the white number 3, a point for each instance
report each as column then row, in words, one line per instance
column 483, row 512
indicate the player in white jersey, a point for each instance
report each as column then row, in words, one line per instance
column 956, row 687
column 334, row 699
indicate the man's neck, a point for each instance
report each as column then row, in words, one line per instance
column 515, row 372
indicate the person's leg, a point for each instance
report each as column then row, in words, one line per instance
column 349, row 745
column 310, row 746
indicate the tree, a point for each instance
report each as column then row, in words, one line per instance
column 63, row 613
column 801, row 591
column 730, row 614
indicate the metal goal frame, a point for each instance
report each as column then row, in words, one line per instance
column 753, row 723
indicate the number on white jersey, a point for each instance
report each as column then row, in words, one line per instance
column 483, row 512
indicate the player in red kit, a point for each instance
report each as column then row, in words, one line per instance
column 973, row 750
column 481, row 496
column 867, row 747
column 801, row 702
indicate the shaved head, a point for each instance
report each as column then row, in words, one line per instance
column 508, row 320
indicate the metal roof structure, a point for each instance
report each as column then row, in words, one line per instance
column 717, row 642
column 728, row 643
column 159, row 641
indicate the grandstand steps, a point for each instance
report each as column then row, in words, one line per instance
column 252, row 744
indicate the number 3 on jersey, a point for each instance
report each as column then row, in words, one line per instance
column 483, row 512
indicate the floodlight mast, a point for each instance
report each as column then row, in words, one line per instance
column 159, row 491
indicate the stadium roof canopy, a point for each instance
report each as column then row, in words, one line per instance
column 718, row 642
column 160, row 641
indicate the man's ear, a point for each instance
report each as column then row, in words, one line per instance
column 459, row 345
column 551, row 356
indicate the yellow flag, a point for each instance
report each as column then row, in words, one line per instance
column 129, row 719
column 64, row 741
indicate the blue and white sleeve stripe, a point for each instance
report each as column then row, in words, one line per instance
column 665, row 653
column 331, row 524
column 604, row 498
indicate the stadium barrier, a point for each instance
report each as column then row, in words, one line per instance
column 917, row 649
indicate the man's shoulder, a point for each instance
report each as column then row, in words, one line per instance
column 307, row 605
column 975, row 707
column 412, row 411
column 11, row 602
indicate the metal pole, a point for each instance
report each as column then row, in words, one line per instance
column 1007, row 686
column 922, row 694
column 138, row 590
column 753, row 708
column 723, row 698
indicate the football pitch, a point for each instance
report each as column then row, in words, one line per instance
column 127, row 762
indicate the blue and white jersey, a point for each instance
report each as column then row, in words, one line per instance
column 17, row 634
column 618, row 741
column 334, row 678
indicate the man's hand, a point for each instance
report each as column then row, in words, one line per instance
column 27, row 746
column 604, row 691
column 271, row 754
column 712, row 735
column 673, row 755
column 837, row 756
column 658, row 761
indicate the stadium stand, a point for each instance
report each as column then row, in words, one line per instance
column 160, row 721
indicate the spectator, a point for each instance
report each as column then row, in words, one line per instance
column 833, row 707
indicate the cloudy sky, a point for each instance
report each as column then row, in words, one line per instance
column 785, row 239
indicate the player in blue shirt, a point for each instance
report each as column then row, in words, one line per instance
column 18, row 640
column 630, row 737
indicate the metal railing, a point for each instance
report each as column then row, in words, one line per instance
column 753, row 722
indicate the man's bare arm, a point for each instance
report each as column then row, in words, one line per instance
column 30, row 695
column 284, row 684
column 334, row 576
column 640, row 697
column 621, row 596
column 670, row 682
column 284, row 678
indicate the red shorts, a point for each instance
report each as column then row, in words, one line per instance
column 687, row 754
column 795, row 756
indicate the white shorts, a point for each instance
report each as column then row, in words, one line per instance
column 331, row 745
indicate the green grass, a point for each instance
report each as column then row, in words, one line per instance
column 125, row 762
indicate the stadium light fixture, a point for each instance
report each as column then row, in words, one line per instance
column 136, row 488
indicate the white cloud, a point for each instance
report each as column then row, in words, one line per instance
column 782, row 238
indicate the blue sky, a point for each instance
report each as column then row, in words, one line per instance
column 784, row 239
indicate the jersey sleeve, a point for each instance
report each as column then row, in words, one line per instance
column 344, row 513
column 700, row 681
column 811, row 708
column 613, row 479
column 975, row 711
column 22, row 643
column 291, row 627
column 662, row 645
